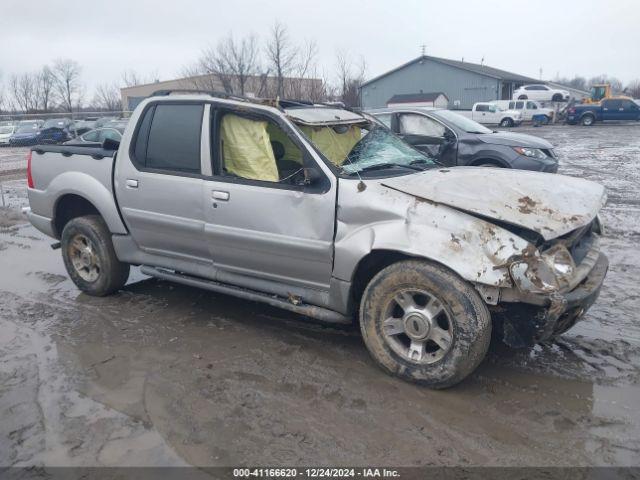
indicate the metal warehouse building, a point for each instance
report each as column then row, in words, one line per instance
column 463, row 83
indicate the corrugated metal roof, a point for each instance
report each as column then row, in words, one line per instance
column 416, row 97
column 471, row 67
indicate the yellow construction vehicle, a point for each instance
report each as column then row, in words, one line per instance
column 601, row 91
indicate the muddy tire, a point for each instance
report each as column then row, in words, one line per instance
column 89, row 256
column 424, row 324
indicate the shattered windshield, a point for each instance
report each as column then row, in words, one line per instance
column 369, row 146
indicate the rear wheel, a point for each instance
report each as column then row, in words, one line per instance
column 506, row 122
column 425, row 324
column 588, row 120
column 89, row 256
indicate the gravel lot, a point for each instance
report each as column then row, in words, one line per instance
column 161, row 374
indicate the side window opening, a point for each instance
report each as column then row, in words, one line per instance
column 174, row 138
column 258, row 149
column 413, row 124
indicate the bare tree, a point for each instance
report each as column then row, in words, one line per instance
column 616, row 84
column 233, row 63
column 281, row 55
column 633, row 88
column 350, row 78
column 68, row 85
column 576, row 82
column 131, row 78
column 46, row 86
column 24, row 92
column 107, row 97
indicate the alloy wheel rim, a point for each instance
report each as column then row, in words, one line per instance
column 83, row 258
column 417, row 326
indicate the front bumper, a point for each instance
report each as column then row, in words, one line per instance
column 523, row 324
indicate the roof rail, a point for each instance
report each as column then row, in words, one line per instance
column 212, row 93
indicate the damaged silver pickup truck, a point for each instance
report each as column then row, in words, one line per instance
column 326, row 213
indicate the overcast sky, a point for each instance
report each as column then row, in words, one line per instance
column 566, row 37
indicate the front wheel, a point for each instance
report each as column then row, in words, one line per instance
column 506, row 122
column 425, row 324
column 522, row 97
column 89, row 256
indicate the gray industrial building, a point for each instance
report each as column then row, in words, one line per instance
column 463, row 83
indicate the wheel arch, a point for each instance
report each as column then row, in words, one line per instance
column 472, row 248
column 79, row 194
column 483, row 159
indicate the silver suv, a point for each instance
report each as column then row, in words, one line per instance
column 326, row 213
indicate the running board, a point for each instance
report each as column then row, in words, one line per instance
column 312, row 311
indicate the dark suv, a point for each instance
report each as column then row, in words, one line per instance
column 456, row 140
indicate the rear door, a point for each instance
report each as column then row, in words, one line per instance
column 612, row 110
column 159, row 182
column 262, row 221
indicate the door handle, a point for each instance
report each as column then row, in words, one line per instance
column 131, row 183
column 219, row 195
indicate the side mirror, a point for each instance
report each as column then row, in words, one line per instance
column 449, row 136
column 110, row 144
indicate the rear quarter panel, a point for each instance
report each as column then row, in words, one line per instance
column 55, row 175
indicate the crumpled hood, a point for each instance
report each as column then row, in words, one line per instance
column 548, row 204
column 514, row 140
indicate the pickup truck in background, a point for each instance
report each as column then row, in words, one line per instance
column 326, row 213
column 607, row 109
column 527, row 109
column 489, row 114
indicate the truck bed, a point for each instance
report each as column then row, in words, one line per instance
column 59, row 170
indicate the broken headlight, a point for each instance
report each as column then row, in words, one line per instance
column 531, row 152
column 546, row 273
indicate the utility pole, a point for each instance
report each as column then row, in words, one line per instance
column 423, row 49
column 540, row 73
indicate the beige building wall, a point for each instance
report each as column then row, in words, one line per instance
column 298, row 88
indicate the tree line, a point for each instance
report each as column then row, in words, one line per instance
column 275, row 65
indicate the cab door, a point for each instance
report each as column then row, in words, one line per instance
column 612, row 110
column 159, row 182
column 261, row 220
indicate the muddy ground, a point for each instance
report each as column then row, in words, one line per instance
column 161, row 374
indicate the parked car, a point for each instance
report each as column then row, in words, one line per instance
column 455, row 140
column 120, row 123
column 100, row 122
column 607, row 109
column 489, row 114
column 541, row 93
column 527, row 109
column 33, row 123
column 6, row 132
column 326, row 213
column 78, row 127
column 25, row 134
column 55, row 130
column 97, row 137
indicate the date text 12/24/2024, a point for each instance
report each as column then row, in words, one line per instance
column 315, row 473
